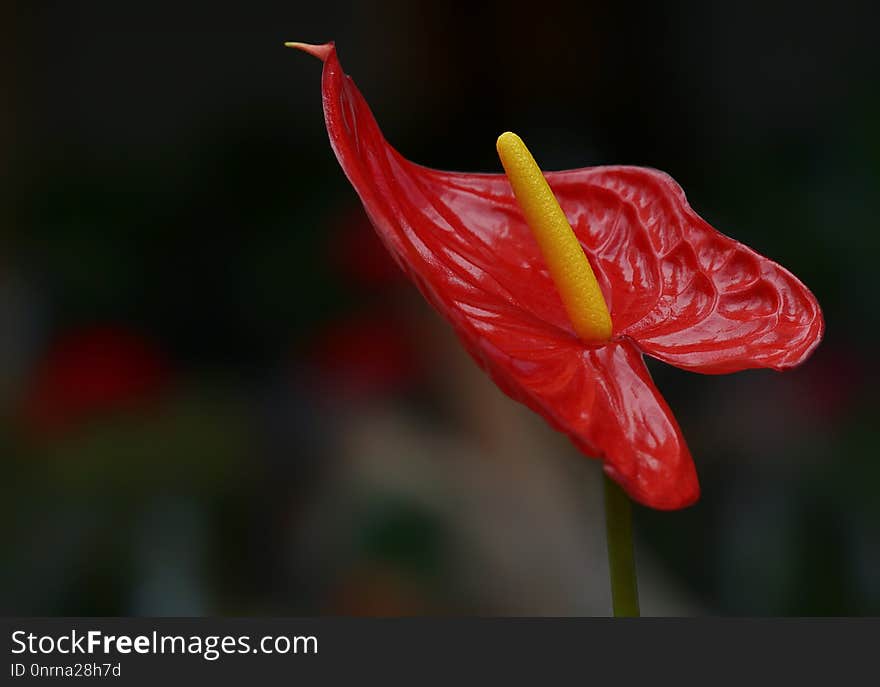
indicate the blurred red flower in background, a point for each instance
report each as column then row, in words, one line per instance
column 89, row 373
column 365, row 355
column 676, row 289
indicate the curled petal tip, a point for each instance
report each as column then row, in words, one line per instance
column 322, row 52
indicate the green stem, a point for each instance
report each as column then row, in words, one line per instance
column 621, row 561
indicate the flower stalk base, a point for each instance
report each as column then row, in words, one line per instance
column 621, row 558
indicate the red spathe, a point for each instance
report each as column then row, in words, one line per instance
column 676, row 288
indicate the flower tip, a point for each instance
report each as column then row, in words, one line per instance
column 506, row 140
column 322, row 52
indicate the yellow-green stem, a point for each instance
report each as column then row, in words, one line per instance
column 621, row 559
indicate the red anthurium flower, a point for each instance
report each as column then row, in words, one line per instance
column 676, row 289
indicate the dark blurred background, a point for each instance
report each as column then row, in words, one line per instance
column 220, row 397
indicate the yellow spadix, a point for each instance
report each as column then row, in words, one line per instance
column 565, row 258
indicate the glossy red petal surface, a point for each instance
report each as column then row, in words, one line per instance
column 687, row 294
column 647, row 454
column 675, row 287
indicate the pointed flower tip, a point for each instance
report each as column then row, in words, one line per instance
column 322, row 52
